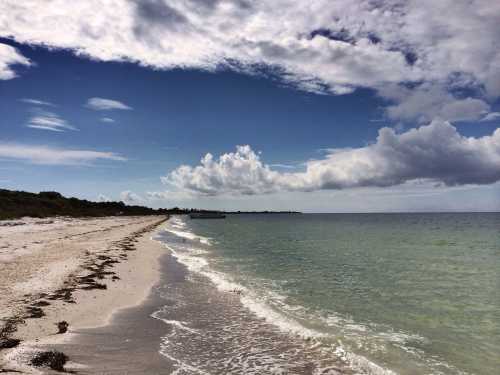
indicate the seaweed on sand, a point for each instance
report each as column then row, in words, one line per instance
column 62, row 326
column 10, row 326
column 7, row 343
column 52, row 359
column 34, row 312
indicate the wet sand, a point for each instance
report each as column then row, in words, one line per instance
column 128, row 345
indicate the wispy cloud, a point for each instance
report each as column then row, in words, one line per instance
column 9, row 57
column 37, row 102
column 40, row 154
column 283, row 166
column 491, row 116
column 102, row 104
column 108, row 120
column 49, row 121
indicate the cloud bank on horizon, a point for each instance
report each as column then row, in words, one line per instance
column 434, row 153
column 424, row 64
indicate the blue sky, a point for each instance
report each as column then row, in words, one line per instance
column 118, row 126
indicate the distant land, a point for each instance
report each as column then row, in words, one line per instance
column 16, row 204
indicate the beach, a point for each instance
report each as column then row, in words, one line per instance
column 78, row 271
column 254, row 294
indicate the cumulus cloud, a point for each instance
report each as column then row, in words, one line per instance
column 322, row 46
column 48, row 121
column 9, row 57
column 37, row 102
column 108, row 120
column 436, row 153
column 130, row 197
column 36, row 154
column 103, row 198
column 102, row 104
column 170, row 195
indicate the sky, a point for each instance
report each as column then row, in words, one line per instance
column 324, row 106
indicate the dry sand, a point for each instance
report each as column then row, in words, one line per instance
column 76, row 270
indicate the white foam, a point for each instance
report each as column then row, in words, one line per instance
column 285, row 324
column 361, row 364
column 180, row 325
column 190, row 236
column 182, row 366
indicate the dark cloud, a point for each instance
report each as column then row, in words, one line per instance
column 154, row 14
column 341, row 35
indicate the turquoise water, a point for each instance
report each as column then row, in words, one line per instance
column 411, row 293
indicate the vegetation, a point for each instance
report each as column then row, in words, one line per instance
column 16, row 204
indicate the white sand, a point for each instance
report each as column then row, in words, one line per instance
column 40, row 257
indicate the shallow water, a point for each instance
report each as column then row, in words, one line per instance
column 380, row 293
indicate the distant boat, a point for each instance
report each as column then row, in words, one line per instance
column 207, row 215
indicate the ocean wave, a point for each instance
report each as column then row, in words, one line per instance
column 193, row 258
column 190, row 236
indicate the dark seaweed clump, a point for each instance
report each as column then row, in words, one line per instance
column 7, row 343
column 9, row 327
column 62, row 327
column 34, row 312
column 52, row 359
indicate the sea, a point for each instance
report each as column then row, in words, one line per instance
column 325, row 294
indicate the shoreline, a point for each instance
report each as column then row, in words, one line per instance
column 79, row 276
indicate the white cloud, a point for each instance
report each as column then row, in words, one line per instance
column 426, row 102
column 103, row 198
column 108, row 120
column 491, row 116
column 102, row 104
column 169, row 195
column 130, row 197
column 37, row 102
column 319, row 46
column 435, row 153
column 49, row 121
column 36, row 154
column 9, row 56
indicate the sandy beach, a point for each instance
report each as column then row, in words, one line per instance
column 78, row 271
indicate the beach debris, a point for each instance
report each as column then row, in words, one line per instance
column 34, row 312
column 9, row 327
column 44, row 222
column 11, row 223
column 65, row 294
column 7, row 343
column 95, row 285
column 52, row 359
column 62, row 326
